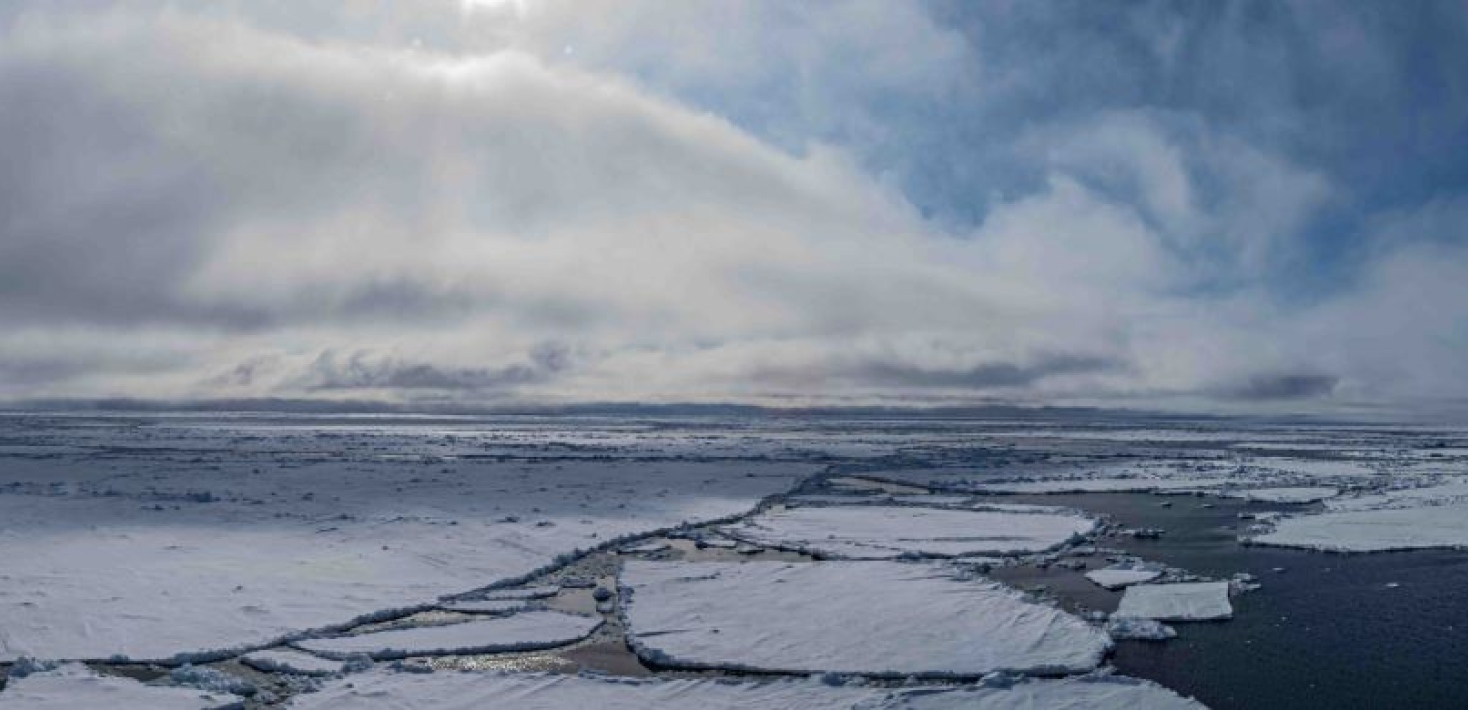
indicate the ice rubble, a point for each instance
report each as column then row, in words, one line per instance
column 284, row 660
column 380, row 690
column 127, row 558
column 1190, row 601
column 1123, row 574
column 1128, row 628
column 881, row 532
column 74, row 686
column 873, row 617
column 526, row 631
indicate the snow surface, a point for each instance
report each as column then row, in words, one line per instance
column 284, row 660
column 526, row 631
column 850, row 617
column 1192, row 601
column 1298, row 494
column 75, row 687
column 1428, row 526
column 484, row 606
column 882, row 532
column 1121, row 575
column 168, row 546
column 380, row 690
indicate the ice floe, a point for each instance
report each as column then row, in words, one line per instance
column 1189, row 601
column 1129, row 628
column 380, row 690
column 133, row 559
column 1297, row 494
column 284, row 660
column 73, row 686
column 1124, row 574
column 881, row 532
column 526, row 631
column 889, row 618
column 1378, row 530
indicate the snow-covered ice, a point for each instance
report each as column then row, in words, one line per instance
column 1120, row 575
column 871, row 617
column 380, row 690
column 1191, row 601
column 1296, row 494
column 526, row 631
column 881, row 532
column 145, row 556
column 484, row 606
column 285, row 660
column 1379, row 530
column 75, row 687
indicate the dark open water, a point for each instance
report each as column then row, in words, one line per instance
column 1327, row 632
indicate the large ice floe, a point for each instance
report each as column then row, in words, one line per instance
column 1294, row 494
column 170, row 556
column 870, row 617
column 882, row 532
column 73, row 686
column 526, row 631
column 1190, row 601
column 381, row 690
column 1434, row 516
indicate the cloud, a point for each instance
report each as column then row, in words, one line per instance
column 753, row 202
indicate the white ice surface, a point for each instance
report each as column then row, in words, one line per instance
column 75, row 687
column 1192, row 601
column 526, row 631
column 1116, row 577
column 484, row 606
column 1297, row 494
column 1102, row 485
column 164, row 553
column 380, row 690
column 1428, row 526
column 284, row 660
column 856, row 617
column 882, row 532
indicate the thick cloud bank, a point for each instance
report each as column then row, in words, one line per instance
column 498, row 202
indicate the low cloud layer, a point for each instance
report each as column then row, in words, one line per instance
column 512, row 202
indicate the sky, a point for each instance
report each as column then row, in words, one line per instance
column 1201, row 206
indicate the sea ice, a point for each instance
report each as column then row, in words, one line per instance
column 526, row 631
column 1192, row 601
column 284, row 660
column 881, row 532
column 1121, row 575
column 126, row 556
column 1428, row 526
column 484, row 606
column 1103, row 485
column 380, row 690
column 1299, row 494
column 891, row 618
column 522, row 593
column 74, row 686
column 1129, row 628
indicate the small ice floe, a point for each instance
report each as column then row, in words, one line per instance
column 485, row 606
column 1299, row 494
column 1243, row 582
column 1135, row 629
column 539, row 592
column 1194, row 601
column 73, row 686
column 1125, row 574
column 473, row 691
column 882, row 618
column 527, row 631
column 1393, row 585
column 882, row 532
column 284, row 660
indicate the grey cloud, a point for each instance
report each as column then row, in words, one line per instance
column 986, row 376
column 365, row 370
column 1286, row 386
